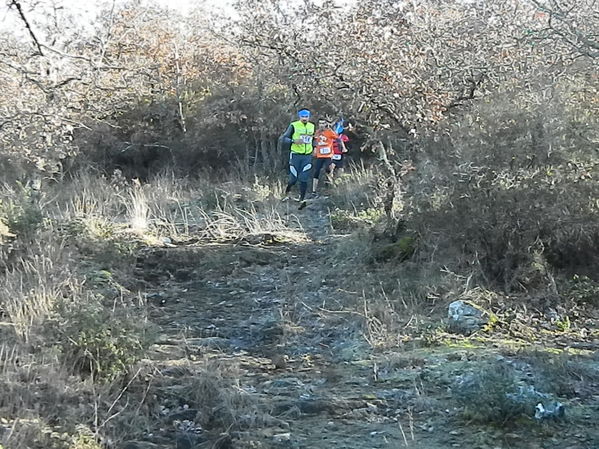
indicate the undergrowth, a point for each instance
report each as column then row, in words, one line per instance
column 491, row 395
column 75, row 310
column 72, row 310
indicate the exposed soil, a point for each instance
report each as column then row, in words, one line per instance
column 256, row 331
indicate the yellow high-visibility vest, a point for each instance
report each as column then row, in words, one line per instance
column 304, row 132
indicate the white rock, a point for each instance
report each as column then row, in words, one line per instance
column 282, row 437
column 465, row 318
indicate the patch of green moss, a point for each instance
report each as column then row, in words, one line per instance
column 345, row 220
column 400, row 250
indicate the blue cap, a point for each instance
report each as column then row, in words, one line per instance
column 303, row 113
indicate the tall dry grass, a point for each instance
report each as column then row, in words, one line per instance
column 66, row 247
column 33, row 285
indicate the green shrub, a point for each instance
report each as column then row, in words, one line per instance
column 509, row 195
column 21, row 211
column 84, row 440
column 398, row 251
column 98, row 341
column 345, row 220
column 581, row 289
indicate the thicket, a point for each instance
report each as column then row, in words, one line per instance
column 514, row 185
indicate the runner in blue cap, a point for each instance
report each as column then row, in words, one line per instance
column 299, row 135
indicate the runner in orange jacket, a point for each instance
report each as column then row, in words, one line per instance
column 324, row 139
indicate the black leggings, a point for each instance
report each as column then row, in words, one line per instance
column 303, row 189
column 319, row 163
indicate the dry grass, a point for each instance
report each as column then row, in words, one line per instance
column 565, row 374
column 356, row 190
column 169, row 209
column 222, row 403
column 37, row 390
column 63, row 295
column 58, row 327
column 34, row 284
column 138, row 210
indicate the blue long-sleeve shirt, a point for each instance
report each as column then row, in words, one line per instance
column 287, row 135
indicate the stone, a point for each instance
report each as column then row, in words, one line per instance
column 527, row 394
column 282, row 437
column 284, row 383
column 466, row 318
column 555, row 411
column 219, row 343
column 279, row 361
column 314, row 406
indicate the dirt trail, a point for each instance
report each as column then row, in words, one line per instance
column 260, row 323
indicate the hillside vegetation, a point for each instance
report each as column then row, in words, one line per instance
column 155, row 292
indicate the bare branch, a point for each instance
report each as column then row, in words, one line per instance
column 562, row 24
column 17, row 5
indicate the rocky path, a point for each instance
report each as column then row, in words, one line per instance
column 256, row 350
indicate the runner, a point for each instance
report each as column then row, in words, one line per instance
column 323, row 151
column 339, row 150
column 299, row 135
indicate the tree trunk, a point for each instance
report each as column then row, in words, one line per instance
column 390, row 183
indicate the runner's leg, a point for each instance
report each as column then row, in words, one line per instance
column 339, row 164
column 304, row 176
column 303, row 189
column 328, row 171
column 317, row 168
column 294, row 167
column 293, row 172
